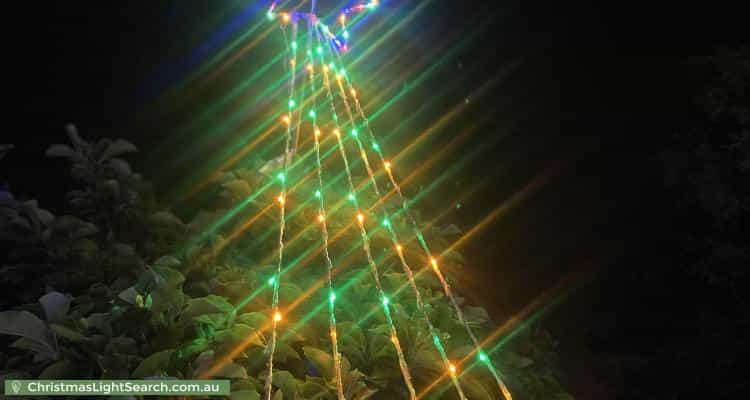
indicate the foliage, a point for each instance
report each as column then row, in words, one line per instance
column 126, row 289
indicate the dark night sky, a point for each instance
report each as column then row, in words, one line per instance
column 599, row 88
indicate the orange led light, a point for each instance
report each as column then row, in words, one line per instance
column 286, row 18
column 277, row 316
column 286, row 119
column 281, row 199
column 434, row 263
column 353, row 92
column 399, row 248
column 321, row 218
column 387, row 165
column 325, row 68
column 342, row 19
column 310, row 67
column 337, row 132
column 360, row 218
column 317, row 132
column 452, row 368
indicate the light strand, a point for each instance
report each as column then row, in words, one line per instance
column 434, row 265
column 324, row 229
column 282, row 225
column 366, row 244
column 399, row 250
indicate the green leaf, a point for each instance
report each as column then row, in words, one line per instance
column 311, row 390
column 166, row 219
column 245, row 395
column 119, row 147
column 168, row 261
column 211, row 304
column 322, row 361
column 60, row 150
column 55, row 305
column 154, row 365
column 27, row 325
column 68, row 333
column 255, row 320
column 475, row 389
column 475, row 315
column 231, row 371
column 59, row 370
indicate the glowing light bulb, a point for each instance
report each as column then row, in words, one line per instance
column 272, row 280
column 354, row 132
column 386, row 223
column 332, row 66
column 294, row 45
column 286, row 17
column 337, row 132
column 325, row 68
column 346, row 35
column 387, row 165
column 310, row 67
column 339, row 76
column 277, row 316
column 360, row 218
column 270, row 15
column 317, row 132
column 376, row 147
column 434, row 263
column 292, row 62
column 320, row 49
column 318, row 194
column 342, row 19
column 353, row 92
column 292, row 103
column 399, row 248
column 281, row 199
column 483, row 357
column 321, row 218
column 332, row 298
column 385, row 301
column 281, row 176
column 311, row 114
column 452, row 368
column 351, row 197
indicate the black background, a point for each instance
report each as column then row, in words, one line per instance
column 596, row 92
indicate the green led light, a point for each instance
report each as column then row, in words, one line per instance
column 332, row 297
column 320, row 49
column 271, row 281
column 318, row 194
column 354, row 132
column 385, row 301
column 311, row 114
column 332, row 66
column 351, row 196
column 376, row 146
column 281, row 176
column 270, row 15
column 346, row 35
column 386, row 223
column 483, row 357
column 294, row 45
column 292, row 103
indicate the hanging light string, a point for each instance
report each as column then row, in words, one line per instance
column 387, row 166
column 320, row 194
column 386, row 222
column 365, row 239
column 281, row 199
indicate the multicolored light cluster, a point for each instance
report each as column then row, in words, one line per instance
column 323, row 59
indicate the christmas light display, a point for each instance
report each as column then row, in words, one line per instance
column 320, row 80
